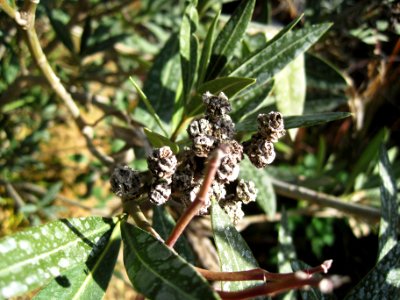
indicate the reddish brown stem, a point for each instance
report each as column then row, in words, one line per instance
column 274, row 288
column 200, row 200
column 260, row 274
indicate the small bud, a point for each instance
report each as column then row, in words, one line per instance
column 199, row 127
column 216, row 105
column 233, row 210
column 162, row 163
column 160, row 193
column 125, row 182
column 246, row 191
column 223, row 128
column 271, row 126
column 260, row 152
column 202, row 145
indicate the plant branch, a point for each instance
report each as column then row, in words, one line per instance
column 8, row 9
column 198, row 203
column 40, row 58
column 298, row 192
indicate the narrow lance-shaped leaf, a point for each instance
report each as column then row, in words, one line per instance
column 369, row 153
column 28, row 259
column 250, row 125
column 206, row 51
column 266, row 197
column 158, row 141
column 87, row 280
column 58, row 20
column 383, row 281
column 388, row 236
column 163, row 79
column 267, row 62
column 245, row 107
column 290, row 90
column 157, row 272
column 163, row 223
column 234, row 254
column 148, row 106
column 188, row 48
column 229, row 37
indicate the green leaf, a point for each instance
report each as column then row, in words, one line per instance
column 266, row 197
column 58, row 20
column 229, row 85
column 265, row 63
column 51, row 194
column 250, row 124
column 243, row 107
column 290, row 90
column 163, row 223
column 229, row 37
column 104, row 44
column 234, row 254
column 367, row 156
column 158, row 141
column 388, row 236
column 287, row 252
column 28, row 259
column 188, row 48
column 206, row 51
column 89, row 280
column 148, row 106
column 325, row 85
column 163, row 79
column 157, row 272
column 383, row 281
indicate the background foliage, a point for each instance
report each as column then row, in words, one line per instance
column 47, row 171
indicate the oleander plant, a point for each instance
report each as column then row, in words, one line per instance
column 213, row 153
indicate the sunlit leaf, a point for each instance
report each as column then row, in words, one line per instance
column 229, row 37
column 88, row 280
column 234, row 254
column 30, row 258
column 388, row 231
column 266, row 197
column 149, row 106
column 267, row 62
column 163, row 223
column 158, row 141
column 206, row 51
column 188, row 48
column 290, row 90
column 157, row 272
